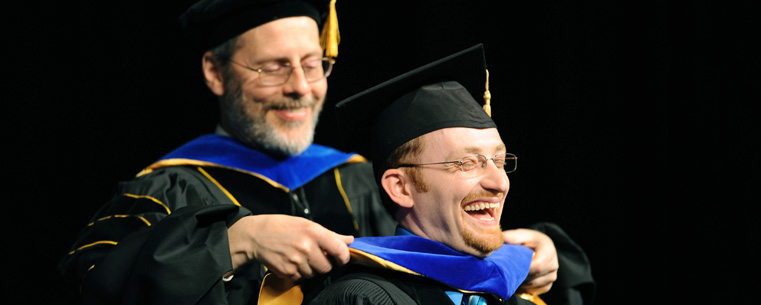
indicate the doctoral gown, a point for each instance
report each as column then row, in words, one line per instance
column 162, row 239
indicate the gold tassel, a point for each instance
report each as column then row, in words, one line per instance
column 487, row 96
column 330, row 37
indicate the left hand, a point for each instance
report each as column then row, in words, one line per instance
column 544, row 266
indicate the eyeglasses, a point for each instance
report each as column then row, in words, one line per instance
column 474, row 165
column 274, row 74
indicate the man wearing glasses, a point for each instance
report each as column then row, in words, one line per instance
column 208, row 220
column 442, row 168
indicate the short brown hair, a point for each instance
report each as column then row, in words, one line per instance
column 406, row 153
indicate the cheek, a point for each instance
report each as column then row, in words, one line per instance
column 466, row 186
column 462, row 188
column 252, row 108
column 319, row 89
column 453, row 192
column 253, row 91
column 260, row 94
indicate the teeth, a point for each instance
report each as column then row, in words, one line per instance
column 481, row 206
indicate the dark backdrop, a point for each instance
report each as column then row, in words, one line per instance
column 632, row 121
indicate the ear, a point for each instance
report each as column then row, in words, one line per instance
column 397, row 185
column 213, row 74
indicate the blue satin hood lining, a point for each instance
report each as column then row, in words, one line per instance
column 501, row 273
column 291, row 172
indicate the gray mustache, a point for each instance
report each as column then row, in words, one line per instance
column 291, row 103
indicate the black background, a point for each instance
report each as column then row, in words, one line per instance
column 632, row 121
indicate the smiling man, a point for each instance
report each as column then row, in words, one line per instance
column 453, row 202
column 277, row 105
column 206, row 222
column 442, row 167
column 460, row 204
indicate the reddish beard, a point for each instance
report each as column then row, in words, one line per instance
column 484, row 240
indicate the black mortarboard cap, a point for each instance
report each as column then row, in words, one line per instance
column 441, row 94
column 209, row 23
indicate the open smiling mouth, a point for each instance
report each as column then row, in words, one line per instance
column 483, row 211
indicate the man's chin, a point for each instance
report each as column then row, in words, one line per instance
column 289, row 142
column 483, row 242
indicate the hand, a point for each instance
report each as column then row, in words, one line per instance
column 544, row 266
column 291, row 247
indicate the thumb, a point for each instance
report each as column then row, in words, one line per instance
column 524, row 237
column 337, row 247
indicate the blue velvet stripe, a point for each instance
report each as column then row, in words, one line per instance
column 501, row 273
column 291, row 172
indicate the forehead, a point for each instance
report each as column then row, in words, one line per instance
column 459, row 141
column 292, row 35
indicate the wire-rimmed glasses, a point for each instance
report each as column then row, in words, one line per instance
column 274, row 74
column 475, row 165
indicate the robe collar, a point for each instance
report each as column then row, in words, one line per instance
column 500, row 274
column 287, row 173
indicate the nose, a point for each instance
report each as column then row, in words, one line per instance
column 297, row 84
column 495, row 179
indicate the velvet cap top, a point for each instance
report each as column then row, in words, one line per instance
column 438, row 95
column 209, row 23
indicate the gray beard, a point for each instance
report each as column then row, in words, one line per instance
column 256, row 132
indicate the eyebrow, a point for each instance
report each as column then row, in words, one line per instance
column 475, row 150
column 278, row 59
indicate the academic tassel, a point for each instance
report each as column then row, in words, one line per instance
column 487, row 96
column 330, row 37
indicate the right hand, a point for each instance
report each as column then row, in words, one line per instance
column 291, row 247
column 544, row 266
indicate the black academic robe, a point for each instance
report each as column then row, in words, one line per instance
column 162, row 239
column 359, row 286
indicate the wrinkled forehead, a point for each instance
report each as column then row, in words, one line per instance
column 461, row 141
